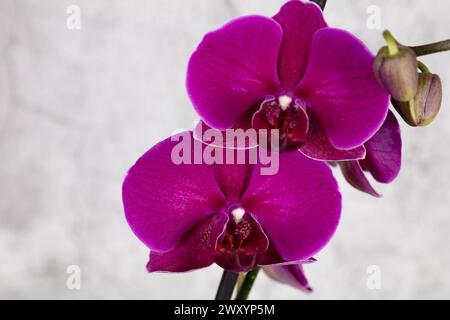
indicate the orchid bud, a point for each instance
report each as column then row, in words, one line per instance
column 422, row 110
column 396, row 70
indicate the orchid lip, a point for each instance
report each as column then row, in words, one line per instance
column 285, row 113
column 243, row 244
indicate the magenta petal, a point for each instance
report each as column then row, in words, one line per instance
column 384, row 151
column 225, row 138
column 319, row 147
column 340, row 87
column 273, row 258
column 233, row 179
column 233, row 68
column 299, row 21
column 163, row 200
column 298, row 208
column 355, row 176
column 195, row 250
column 292, row 275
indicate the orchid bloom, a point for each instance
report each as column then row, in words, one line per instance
column 193, row 215
column 383, row 158
column 293, row 73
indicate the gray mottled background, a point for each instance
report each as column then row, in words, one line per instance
column 77, row 107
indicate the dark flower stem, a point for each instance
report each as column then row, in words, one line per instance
column 226, row 286
column 320, row 3
column 247, row 284
column 432, row 48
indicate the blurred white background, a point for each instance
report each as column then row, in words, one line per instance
column 77, row 108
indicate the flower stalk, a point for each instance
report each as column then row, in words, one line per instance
column 226, row 285
column 320, row 3
column 247, row 284
column 431, row 48
column 421, row 50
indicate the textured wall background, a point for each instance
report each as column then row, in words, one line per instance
column 77, row 107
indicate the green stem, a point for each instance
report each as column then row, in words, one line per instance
column 247, row 284
column 320, row 3
column 430, row 48
column 422, row 67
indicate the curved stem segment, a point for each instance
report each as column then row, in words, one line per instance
column 226, row 286
column 247, row 284
column 320, row 3
column 422, row 67
column 430, row 48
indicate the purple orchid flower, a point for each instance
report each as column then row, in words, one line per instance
column 383, row 158
column 193, row 215
column 293, row 73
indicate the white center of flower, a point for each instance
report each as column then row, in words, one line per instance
column 285, row 102
column 237, row 214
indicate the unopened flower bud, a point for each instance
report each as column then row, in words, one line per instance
column 397, row 72
column 422, row 110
